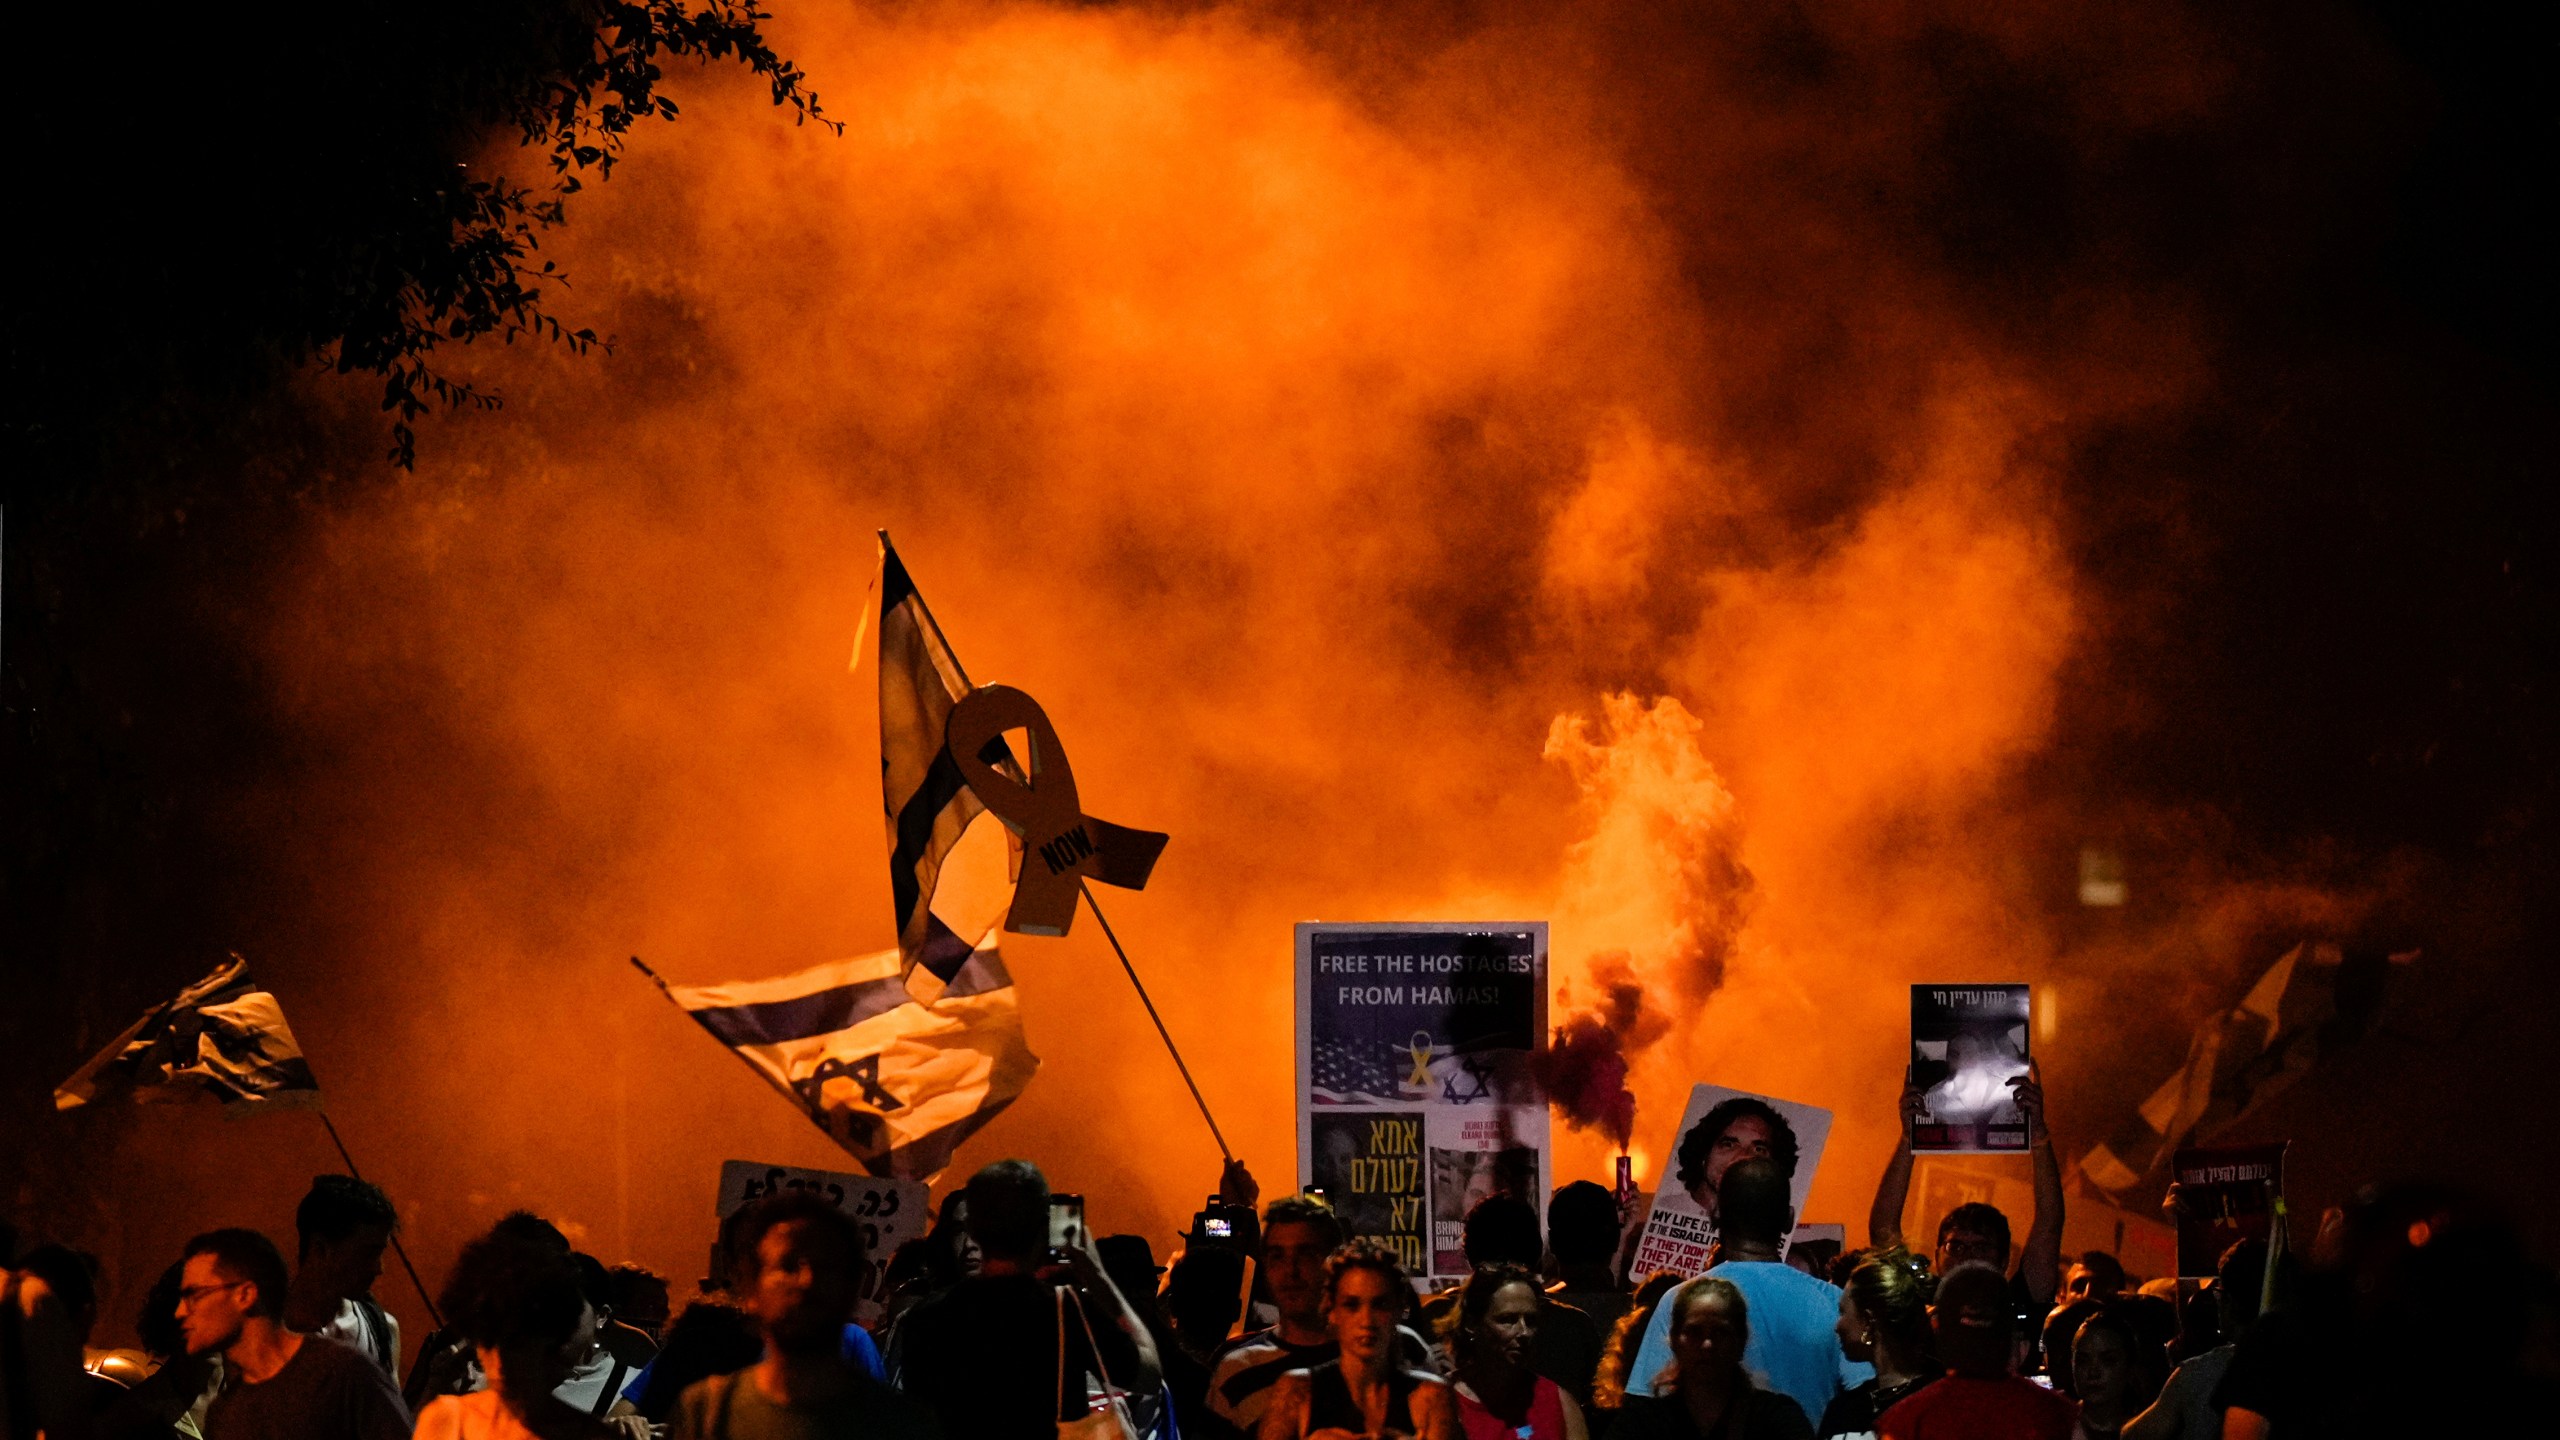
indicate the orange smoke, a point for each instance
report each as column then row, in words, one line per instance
column 1389, row 488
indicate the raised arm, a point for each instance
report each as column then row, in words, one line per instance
column 1884, row 1218
column 2040, row 1259
column 1121, row 1339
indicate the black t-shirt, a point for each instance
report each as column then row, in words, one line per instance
column 325, row 1392
column 1855, row 1411
column 984, row 1355
column 1755, row 1414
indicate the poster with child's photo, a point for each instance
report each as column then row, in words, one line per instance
column 1967, row 1043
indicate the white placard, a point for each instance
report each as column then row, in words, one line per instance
column 1681, row 1229
column 889, row 1212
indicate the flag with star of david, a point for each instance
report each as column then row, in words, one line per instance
column 897, row 1082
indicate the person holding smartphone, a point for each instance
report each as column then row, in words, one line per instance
column 984, row 1354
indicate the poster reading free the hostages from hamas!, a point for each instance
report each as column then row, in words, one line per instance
column 1967, row 1043
column 1719, row 1128
column 1415, row 1097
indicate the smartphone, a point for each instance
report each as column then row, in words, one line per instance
column 1234, row 1226
column 1066, row 1222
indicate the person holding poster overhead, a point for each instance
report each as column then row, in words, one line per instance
column 1953, row 1039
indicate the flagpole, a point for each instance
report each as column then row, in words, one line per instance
column 1161, row 1033
column 396, row 1247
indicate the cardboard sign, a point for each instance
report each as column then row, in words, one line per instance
column 889, row 1213
column 1415, row 1094
column 1719, row 1127
column 2224, row 1197
column 1967, row 1043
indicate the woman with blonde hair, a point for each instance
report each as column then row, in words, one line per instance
column 1884, row 1321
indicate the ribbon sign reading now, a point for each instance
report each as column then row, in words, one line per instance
column 1062, row 845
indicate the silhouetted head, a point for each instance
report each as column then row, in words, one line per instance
column 1582, row 1224
column 1756, row 1208
column 1971, row 1321
column 1008, row 1212
column 1502, row 1230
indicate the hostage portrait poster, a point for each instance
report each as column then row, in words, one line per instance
column 1967, row 1043
column 1719, row 1127
column 1416, row 1097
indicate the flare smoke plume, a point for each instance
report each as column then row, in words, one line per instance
column 1484, row 463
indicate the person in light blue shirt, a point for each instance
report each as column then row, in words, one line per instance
column 1793, row 1347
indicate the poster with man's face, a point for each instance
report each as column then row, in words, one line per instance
column 1720, row 1128
column 1967, row 1043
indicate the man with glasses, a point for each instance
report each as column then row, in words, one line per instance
column 284, row 1385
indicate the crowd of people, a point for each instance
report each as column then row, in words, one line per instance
column 2414, row 1313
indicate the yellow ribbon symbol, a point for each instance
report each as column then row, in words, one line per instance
column 1420, row 1050
column 1062, row 846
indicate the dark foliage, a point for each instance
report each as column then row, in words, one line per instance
column 227, row 192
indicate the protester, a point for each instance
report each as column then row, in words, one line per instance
column 1203, row 1295
column 1299, row 1232
column 72, row 1276
column 798, row 1280
column 597, row 1374
column 2411, row 1321
column 2114, row 1372
column 715, row 1336
column 627, row 1344
column 2094, row 1276
column 2185, row 1409
column 1975, row 1327
column 638, row 1296
column 1978, row 1234
column 283, row 1385
column 986, row 1354
column 42, row 1389
column 1502, row 1230
column 1794, row 1340
column 2053, row 1341
column 1884, row 1321
column 1491, row 1334
column 1705, row 1390
column 921, row 1270
column 1739, row 1129
column 445, row 1364
column 1582, row 1236
column 1131, row 1263
column 343, row 1225
column 176, row 1394
column 1618, row 1357
column 1367, row 1389
column 518, row 1304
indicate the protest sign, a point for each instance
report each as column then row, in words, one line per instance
column 1967, row 1043
column 1719, row 1127
column 1813, row 1248
column 2224, row 1197
column 1416, row 1098
column 889, row 1213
